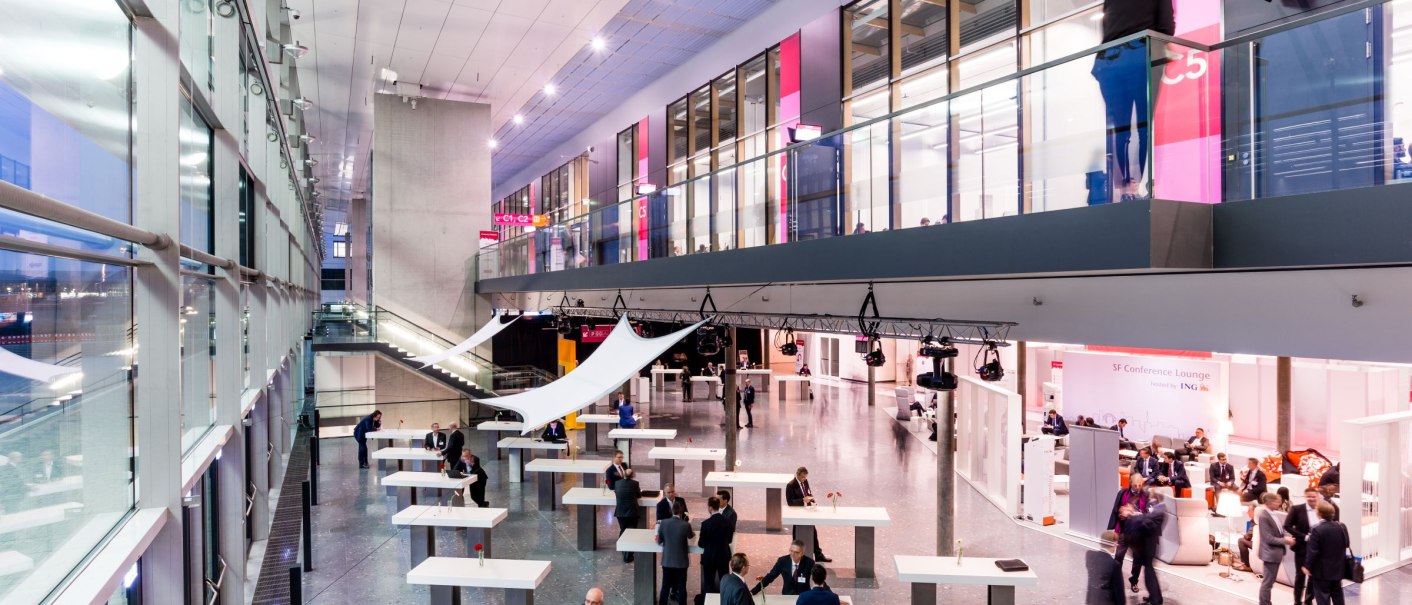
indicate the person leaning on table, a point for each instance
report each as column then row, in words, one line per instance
column 470, row 465
column 734, row 590
column 820, row 594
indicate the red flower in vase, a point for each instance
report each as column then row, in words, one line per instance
column 479, row 548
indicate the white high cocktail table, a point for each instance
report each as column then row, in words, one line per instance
column 926, row 572
column 715, row 382
column 714, row 598
column 772, row 482
column 658, row 380
column 591, row 429
column 421, row 460
column 625, row 437
column 643, row 544
column 387, row 438
column 802, row 381
column 422, row 522
column 500, row 426
column 407, row 483
column 666, row 465
column 589, row 497
column 547, row 467
column 863, row 519
column 517, row 447
column 760, row 379
column 446, row 576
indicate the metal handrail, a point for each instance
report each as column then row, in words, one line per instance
column 215, row 587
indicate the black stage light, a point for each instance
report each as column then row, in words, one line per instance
column 943, row 381
column 874, row 358
column 708, row 342
column 789, row 348
column 990, row 369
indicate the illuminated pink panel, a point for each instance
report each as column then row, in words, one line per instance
column 642, row 247
column 1187, row 118
column 789, row 116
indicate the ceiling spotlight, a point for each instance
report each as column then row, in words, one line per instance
column 518, row 119
column 492, row 143
column 304, row 138
column 550, row 89
column 225, row 8
column 311, row 162
column 296, row 50
column 314, row 193
column 311, row 180
column 301, row 102
column 257, row 87
column 272, row 136
column 598, row 44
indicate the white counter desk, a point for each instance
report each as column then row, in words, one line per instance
column 666, row 458
column 519, row 445
column 422, row 521
column 405, row 459
column 590, row 497
column 407, row 483
column 714, row 598
column 643, row 544
column 592, row 471
column 804, row 382
column 500, row 426
column 760, row 379
column 772, row 482
column 659, row 380
column 863, row 519
column 591, row 422
column 446, row 576
column 714, row 390
column 389, row 438
column 625, row 437
column 926, row 572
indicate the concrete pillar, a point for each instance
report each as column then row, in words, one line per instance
column 873, row 387
column 1022, row 372
column 1283, row 417
column 357, row 287
column 946, row 469
column 728, row 392
column 415, row 213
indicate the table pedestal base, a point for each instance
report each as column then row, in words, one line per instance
column 445, row 595
column 667, row 470
column 546, row 491
column 423, row 543
column 588, row 527
column 805, row 534
column 481, row 536
column 773, row 496
column 707, row 467
column 406, row 496
column 1001, row 595
column 624, row 446
column 923, row 593
column 590, row 434
column 644, row 578
column 863, row 539
column 515, row 596
column 516, row 465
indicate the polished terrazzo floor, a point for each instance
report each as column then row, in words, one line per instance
column 360, row 557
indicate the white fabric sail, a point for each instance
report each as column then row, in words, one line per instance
column 619, row 358
column 489, row 330
column 25, row 367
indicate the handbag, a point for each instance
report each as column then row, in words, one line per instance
column 1352, row 566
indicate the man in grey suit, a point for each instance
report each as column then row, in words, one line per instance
column 1273, row 542
column 674, row 534
column 733, row 587
column 627, row 491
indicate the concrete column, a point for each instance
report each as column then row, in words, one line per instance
column 728, row 392
column 426, row 206
column 873, row 387
column 946, row 469
column 1283, row 417
column 1022, row 372
column 259, row 468
column 357, row 286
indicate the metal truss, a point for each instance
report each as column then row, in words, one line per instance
column 958, row 331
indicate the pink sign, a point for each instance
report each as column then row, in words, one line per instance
column 521, row 220
column 642, row 168
column 1186, row 138
column 789, row 116
column 595, row 333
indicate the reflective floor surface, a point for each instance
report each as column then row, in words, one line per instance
column 359, row 557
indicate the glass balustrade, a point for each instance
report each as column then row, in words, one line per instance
column 1144, row 117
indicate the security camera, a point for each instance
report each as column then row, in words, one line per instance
column 294, row 14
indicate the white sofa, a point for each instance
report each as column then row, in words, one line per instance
column 1186, row 533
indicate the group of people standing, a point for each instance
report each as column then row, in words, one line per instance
column 455, row 456
column 723, row 570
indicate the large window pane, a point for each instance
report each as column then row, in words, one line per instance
column 196, row 218
column 726, row 114
column 1064, row 156
column 868, row 160
column 700, row 103
column 196, row 41
column 922, row 184
column 752, row 117
column 868, row 55
column 64, row 110
column 198, row 324
column 985, row 22
column 924, row 32
column 987, row 166
column 1044, row 11
column 676, row 132
column 66, row 451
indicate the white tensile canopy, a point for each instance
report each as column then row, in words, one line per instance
column 25, row 367
column 619, row 358
column 489, row 330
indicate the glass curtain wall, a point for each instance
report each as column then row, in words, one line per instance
column 67, row 337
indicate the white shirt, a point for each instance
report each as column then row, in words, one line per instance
column 1314, row 519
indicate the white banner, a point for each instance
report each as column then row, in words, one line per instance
column 1169, row 396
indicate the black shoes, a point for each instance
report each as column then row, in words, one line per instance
column 821, row 558
column 1133, row 586
column 363, row 466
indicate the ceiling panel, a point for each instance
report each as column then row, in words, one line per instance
column 421, row 24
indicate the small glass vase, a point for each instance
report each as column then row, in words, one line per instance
column 835, row 505
column 480, row 556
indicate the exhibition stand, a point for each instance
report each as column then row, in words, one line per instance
column 988, row 441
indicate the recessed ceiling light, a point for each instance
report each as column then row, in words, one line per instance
column 492, row 143
column 549, row 89
column 598, row 43
column 518, row 119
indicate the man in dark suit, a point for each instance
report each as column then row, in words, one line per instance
column 715, row 546
column 670, row 499
column 1198, row 444
column 1323, row 557
column 49, row 469
column 554, row 432
column 746, row 394
column 797, row 493
column 1134, row 498
column 728, row 511
column 1302, row 520
column 1172, row 473
column 1054, row 425
column 674, row 534
column 1142, row 531
column 627, row 491
column 1221, row 474
column 469, row 464
column 1252, row 481
column 733, row 586
column 1273, row 543
column 455, row 442
column 820, row 594
column 370, row 423
column 1145, row 466
column 615, row 472
column 435, row 440
column 1123, row 442
column 794, row 567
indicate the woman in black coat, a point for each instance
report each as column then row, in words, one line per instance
column 1323, row 557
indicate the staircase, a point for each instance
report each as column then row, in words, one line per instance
column 347, row 328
